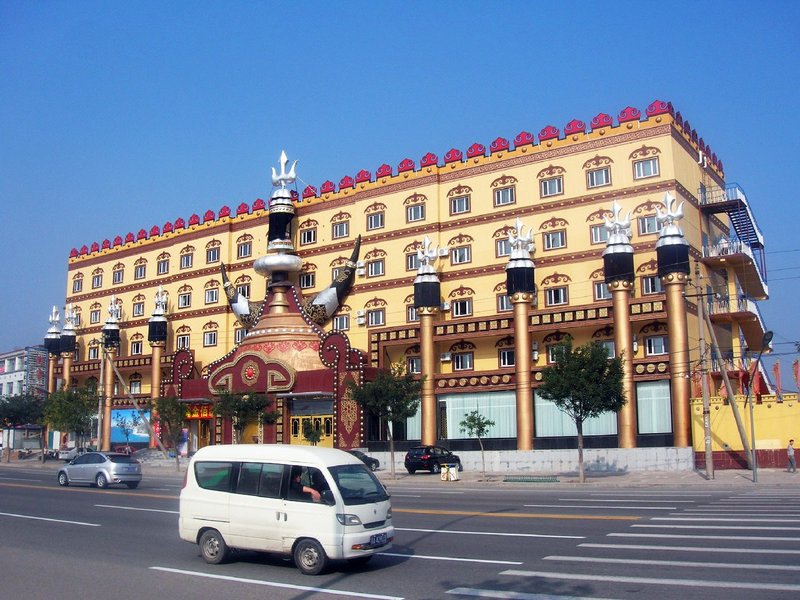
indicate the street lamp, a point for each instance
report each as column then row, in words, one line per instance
column 764, row 345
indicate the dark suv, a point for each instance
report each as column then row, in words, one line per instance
column 430, row 458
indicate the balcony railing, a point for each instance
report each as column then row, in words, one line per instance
column 740, row 304
column 732, row 246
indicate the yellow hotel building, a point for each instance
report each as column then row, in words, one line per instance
column 559, row 183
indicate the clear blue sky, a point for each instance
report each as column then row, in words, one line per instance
column 117, row 116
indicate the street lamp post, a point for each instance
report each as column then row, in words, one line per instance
column 764, row 345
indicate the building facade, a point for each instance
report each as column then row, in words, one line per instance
column 559, row 184
column 23, row 371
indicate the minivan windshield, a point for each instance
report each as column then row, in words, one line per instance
column 358, row 485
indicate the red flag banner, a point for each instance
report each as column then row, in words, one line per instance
column 776, row 371
column 796, row 371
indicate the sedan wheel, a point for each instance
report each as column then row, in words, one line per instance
column 101, row 481
column 63, row 479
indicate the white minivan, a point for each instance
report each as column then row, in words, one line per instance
column 311, row 503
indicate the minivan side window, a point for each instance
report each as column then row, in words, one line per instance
column 260, row 479
column 249, row 476
column 271, row 478
column 309, row 477
column 213, row 475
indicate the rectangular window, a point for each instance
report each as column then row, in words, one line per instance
column 375, row 221
column 209, row 338
column 651, row 285
column 462, row 361
column 412, row 262
column 507, row 358
column 504, row 196
column 77, row 285
column 341, row 229
column 307, row 280
column 502, row 248
column 186, row 261
column 138, row 309
column 555, row 239
column 163, row 267
column 656, row 345
column 412, row 314
column 653, row 407
column 212, row 296
column 598, row 177
column 117, row 276
column 136, row 348
column 551, row 353
column 238, row 334
column 375, row 268
column 94, row 316
column 376, row 317
column 214, row 476
column 244, row 250
column 504, row 303
column 308, row 236
column 341, row 322
column 611, row 349
column 459, row 205
column 414, row 365
column 135, row 386
column 97, row 281
column 139, row 271
column 94, row 352
column 461, row 255
column 599, row 234
column 645, row 168
column 415, row 212
column 556, row 296
column 648, row 225
column 185, row 300
column 182, row 342
column 461, row 308
column 212, row 255
column 552, row 186
column 244, row 289
column 335, row 273
column 601, row 291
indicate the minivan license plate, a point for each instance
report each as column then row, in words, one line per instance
column 379, row 539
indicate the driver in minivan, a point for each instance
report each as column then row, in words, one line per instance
column 299, row 490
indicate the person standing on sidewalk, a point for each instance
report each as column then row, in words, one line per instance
column 792, row 468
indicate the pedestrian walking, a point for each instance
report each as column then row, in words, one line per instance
column 790, row 455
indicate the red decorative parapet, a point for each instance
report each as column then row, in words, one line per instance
column 453, row 155
column 118, row 240
column 429, row 160
column 363, row 176
column 166, row 229
column 405, row 165
column 659, row 108
column 575, row 126
column 476, row 150
column 310, row 192
column 208, row 216
column 294, row 195
column 629, row 114
column 384, row 171
column 84, row 249
column 73, row 253
column 499, row 145
column 548, row 133
column 95, row 247
column 225, row 211
column 142, row 235
column 194, row 220
column 327, row 187
column 180, row 223
column 106, row 244
column 242, row 209
column 601, row 120
column 523, row 139
column 155, row 231
column 346, row 182
column 129, row 239
column 259, row 204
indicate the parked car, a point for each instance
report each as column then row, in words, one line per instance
column 102, row 469
column 372, row 463
column 430, row 458
column 69, row 454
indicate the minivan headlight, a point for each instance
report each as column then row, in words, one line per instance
column 346, row 519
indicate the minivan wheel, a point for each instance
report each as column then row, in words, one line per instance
column 101, row 481
column 309, row 557
column 435, row 468
column 63, row 479
column 213, row 547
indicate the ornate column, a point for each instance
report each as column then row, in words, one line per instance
column 110, row 345
column 52, row 342
column 157, row 336
column 673, row 269
column 427, row 299
column 66, row 346
column 520, row 288
column 618, row 269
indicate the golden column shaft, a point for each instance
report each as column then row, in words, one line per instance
column 522, row 368
column 623, row 342
column 677, row 330
column 108, row 390
column 428, row 358
column 66, row 369
column 155, row 381
column 52, row 360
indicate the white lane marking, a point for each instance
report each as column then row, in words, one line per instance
column 508, row 595
column 707, row 537
column 721, row 520
column 628, row 500
column 302, row 588
column 16, row 516
column 651, row 494
column 169, row 512
column 639, row 547
column 606, row 507
column 673, row 563
column 498, row 534
column 656, row 581
column 453, row 558
column 744, row 527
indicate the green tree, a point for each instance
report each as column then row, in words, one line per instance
column 16, row 411
column 72, row 411
column 311, row 434
column 242, row 409
column 170, row 415
column 584, row 383
column 393, row 396
column 476, row 425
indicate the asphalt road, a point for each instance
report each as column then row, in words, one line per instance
column 452, row 541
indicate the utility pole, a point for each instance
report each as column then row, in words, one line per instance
column 701, row 297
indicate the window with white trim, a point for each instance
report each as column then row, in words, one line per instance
column 136, row 348
column 341, row 322
column 212, row 295
column 506, row 357
column 94, row 315
column 461, row 255
column 555, row 239
column 656, row 345
column 412, row 314
column 308, row 280
column 212, row 255
column 185, row 300
column 375, row 221
column 375, row 268
column 335, row 272
column 599, row 234
column 94, row 352
column 244, row 289
column 645, row 168
column 415, row 212
column 97, row 281
column 463, row 361
column 504, row 196
column 376, row 317
column 502, row 247
column 77, row 285
column 611, row 348
column 461, row 308
column 135, row 386
column 238, row 334
column 552, row 186
column 308, row 236
column 504, row 303
column 648, row 225
column 598, row 177
column 117, row 276
column 414, row 365
column 459, row 205
column 209, row 338
column 187, row 260
column 412, row 262
column 340, row 229
column 138, row 309
column 651, row 285
column 601, row 291
column 139, row 271
column 163, row 266
column 244, row 249
column 556, row 296
column 182, row 341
